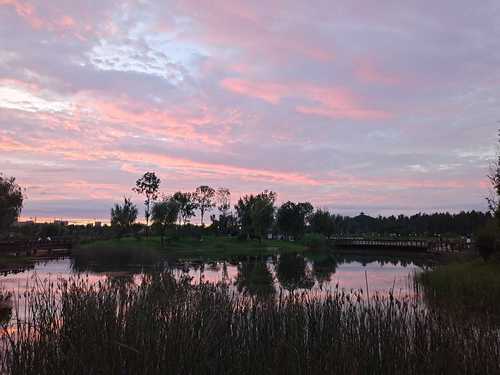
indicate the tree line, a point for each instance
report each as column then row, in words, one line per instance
column 256, row 216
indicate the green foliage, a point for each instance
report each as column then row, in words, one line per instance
column 123, row 216
column 486, row 240
column 165, row 213
column 148, row 185
column 164, row 326
column 187, row 205
column 291, row 218
column 204, row 197
column 322, row 222
column 494, row 177
column 256, row 213
column 315, row 241
column 472, row 286
column 11, row 201
column 225, row 224
column 223, row 200
column 188, row 245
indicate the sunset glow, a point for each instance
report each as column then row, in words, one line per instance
column 352, row 105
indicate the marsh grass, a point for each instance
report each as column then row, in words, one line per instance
column 168, row 326
column 472, row 287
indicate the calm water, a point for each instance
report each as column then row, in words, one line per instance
column 250, row 276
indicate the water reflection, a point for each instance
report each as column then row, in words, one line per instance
column 113, row 260
column 324, row 267
column 258, row 276
column 255, row 278
column 293, row 272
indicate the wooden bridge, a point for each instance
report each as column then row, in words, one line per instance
column 36, row 247
column 435, row 245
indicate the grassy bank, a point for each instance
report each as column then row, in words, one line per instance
column 9, row 263
column 473, row 285
column 207, row 247
column 171, row 327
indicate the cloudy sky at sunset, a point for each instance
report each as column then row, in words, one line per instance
column 375, row 106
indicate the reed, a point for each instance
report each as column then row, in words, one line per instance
column 168, row 326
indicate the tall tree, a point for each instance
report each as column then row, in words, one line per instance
column 187, row 206
column 291, row 218
column 204, row 197
column 223, row 200
column 322, row 222
column 123, row 216
column 494, row 177
column 11, row 201
column 165, row 213
column 148, row 185
column 256, row 213
column 243, row 212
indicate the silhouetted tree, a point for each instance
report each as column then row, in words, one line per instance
column 149, row 186
column 165, row 213
column 187, row 205
column 291, row 218
column 256, row 213
column 322, row 222
column 204, row 197
column 11, row 201
column 123, row 216
column 494, row 177
column 262, row 213
column 223, row 200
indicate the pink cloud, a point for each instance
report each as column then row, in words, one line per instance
column 269, row 92
column 368, row 72
column 328, row 102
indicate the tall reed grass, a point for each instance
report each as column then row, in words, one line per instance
column 168, row 326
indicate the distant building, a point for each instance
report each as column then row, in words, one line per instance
column 97, row 224
column 61, row 222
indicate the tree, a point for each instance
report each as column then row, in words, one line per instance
column 204, row 197
column 256, row 213
column 322, row 222
column 11, row 201
column 243, row 210
column 187, row 206
column 123, row 216
column 494, row 177
column 291, row 218
column 148, row 185
column 262, row 213
column 165, row 213
column 223, row 200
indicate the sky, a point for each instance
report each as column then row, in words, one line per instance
column 384, row 107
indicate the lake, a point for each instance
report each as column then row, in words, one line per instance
column 316, row 273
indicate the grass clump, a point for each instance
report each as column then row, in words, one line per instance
column 164, row 326
column 315, row 241
column 472, row 286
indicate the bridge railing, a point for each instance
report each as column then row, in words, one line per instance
column 32, row 246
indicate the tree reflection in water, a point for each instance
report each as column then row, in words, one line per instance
column 293, row 273
column 254, row 278
column 323, row 268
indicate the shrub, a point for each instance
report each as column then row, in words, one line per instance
column 315, row 241
column 486, row 241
